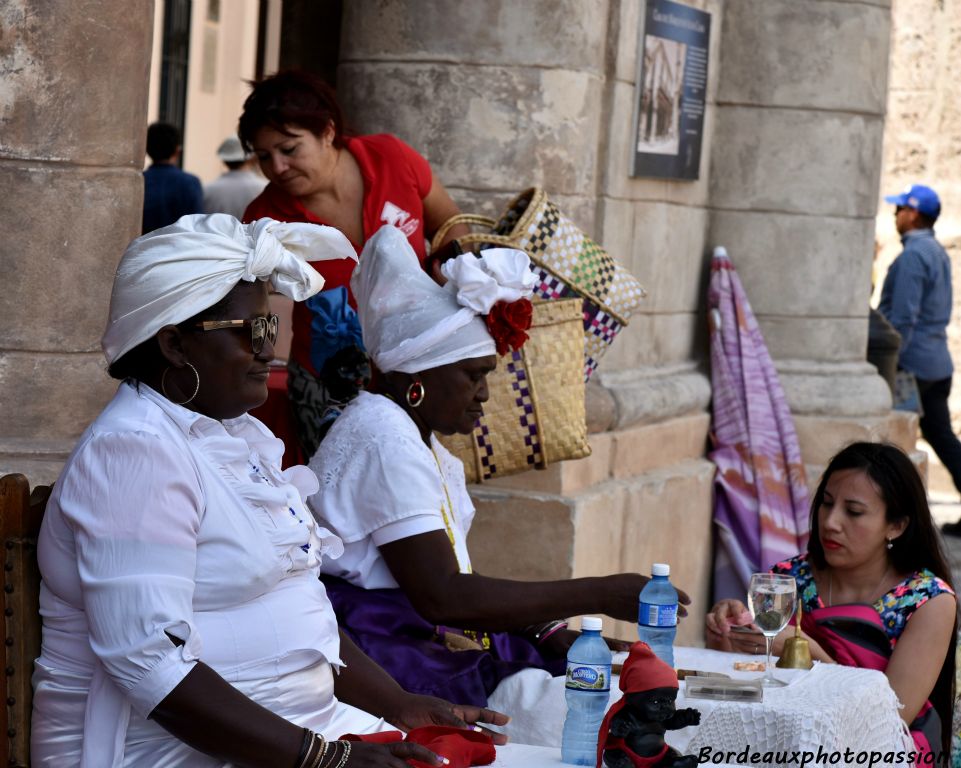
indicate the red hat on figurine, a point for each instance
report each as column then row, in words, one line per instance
column 643, row 671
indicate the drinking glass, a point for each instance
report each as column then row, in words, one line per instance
column 771, row 598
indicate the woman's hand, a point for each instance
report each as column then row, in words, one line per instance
column 752, row 642
column 730, row 628
column 622, row 590
column 718, row 622
column 415, row 711
column 394, row 755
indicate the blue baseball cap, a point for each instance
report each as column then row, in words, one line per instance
column 923, row 199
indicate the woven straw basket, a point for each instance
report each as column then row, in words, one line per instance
column 535, row 415
column 567, row 263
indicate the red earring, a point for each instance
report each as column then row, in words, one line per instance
column 416, row 394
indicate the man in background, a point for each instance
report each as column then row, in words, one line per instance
column 169, row 192
column 916, row 300
column 234, row 189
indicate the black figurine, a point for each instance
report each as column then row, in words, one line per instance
column 632, row 735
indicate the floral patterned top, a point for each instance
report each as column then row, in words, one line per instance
column 895, row 606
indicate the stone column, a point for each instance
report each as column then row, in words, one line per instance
column 73, row 98
column 794, row 188
column 495, row 94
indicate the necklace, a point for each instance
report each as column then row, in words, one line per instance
column 443, row 513
column 476, row 635
column 831, row 584
column 259, row 473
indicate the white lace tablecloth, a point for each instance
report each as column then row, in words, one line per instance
column 830, row 707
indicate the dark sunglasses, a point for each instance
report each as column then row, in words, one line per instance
column 261, row 329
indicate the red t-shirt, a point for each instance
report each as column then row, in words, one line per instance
column 396, row 181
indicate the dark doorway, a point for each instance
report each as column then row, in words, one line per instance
column 310, row 36
column 174, row 57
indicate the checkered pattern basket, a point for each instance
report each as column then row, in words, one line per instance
column 567, row 263
column 535, row 414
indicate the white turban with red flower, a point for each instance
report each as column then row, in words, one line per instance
column 410, row 324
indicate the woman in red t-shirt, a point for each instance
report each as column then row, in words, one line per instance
column 318, row 174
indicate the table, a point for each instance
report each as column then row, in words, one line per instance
column 831, row 708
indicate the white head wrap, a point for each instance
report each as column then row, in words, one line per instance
column 173, row 273
column 410, row 323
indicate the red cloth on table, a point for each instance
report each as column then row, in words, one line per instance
column 463, row 748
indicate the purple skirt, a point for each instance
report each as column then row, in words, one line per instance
column 384, row 625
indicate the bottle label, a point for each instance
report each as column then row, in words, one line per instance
column 588, row 677
column 657, row 615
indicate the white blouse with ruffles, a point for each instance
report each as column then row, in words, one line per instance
column 379, row 482
column 167, row 523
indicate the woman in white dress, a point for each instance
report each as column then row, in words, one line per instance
column 404, row 589
column 183, row 620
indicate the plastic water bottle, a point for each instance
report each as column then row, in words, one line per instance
column 657, row 613
column 587, row 689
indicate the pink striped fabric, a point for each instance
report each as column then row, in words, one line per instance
column 761, row 498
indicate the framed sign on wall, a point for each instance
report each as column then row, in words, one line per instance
column 671, row 89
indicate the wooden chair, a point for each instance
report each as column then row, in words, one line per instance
column 21, row 512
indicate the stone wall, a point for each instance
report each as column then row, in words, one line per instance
column 72, row 123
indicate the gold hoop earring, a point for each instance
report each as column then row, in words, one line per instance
column 416, row 394
column 163, row 386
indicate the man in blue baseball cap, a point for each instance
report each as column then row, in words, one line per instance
column 918, row 198
column 916, row 300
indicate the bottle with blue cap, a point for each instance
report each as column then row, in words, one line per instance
column 657, row 613
column 588, row 689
